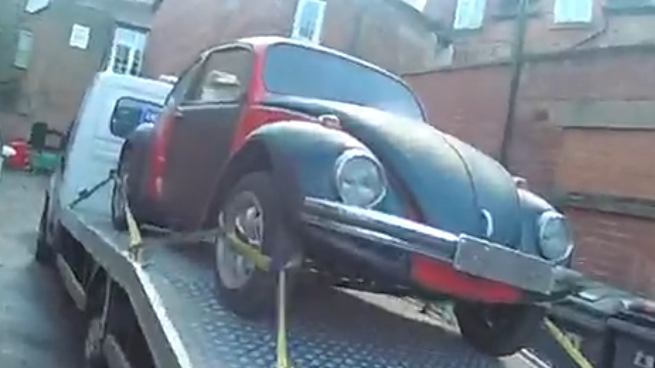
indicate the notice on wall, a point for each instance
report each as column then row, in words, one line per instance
column 80, row 37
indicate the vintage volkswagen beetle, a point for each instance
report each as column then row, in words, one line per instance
column 301, row 150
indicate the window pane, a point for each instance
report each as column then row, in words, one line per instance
column 573, row 11
column 137, row 57
column 469, row 14
column 304, row 72
column 308, row 20
column 129, row 113
column 121, row 59
column 23, row 49
column 224, row 76
column 128, row 47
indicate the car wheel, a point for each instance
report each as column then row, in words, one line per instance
column 250, row 212
column 498, row 330
column 119, row 194
column 43, row 253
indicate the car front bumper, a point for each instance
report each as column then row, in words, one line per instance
column 539, row 280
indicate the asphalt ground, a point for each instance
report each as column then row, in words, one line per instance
column 39, row 327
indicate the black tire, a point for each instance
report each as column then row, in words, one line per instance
column 118, row 217
column 498, row 330
column 258, row 295
column 43, row 253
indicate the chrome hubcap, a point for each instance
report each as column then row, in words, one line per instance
column 243, row 218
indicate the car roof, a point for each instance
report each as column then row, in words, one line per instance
column 267, row 41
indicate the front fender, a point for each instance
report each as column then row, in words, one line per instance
column 300, row 155
column 138, row 142
column 308, row 152
column 532, row 206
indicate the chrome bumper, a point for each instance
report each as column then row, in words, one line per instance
column 470, row 255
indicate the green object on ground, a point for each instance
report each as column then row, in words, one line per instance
column 44, row 161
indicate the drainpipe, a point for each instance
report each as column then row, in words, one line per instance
column 517, row 66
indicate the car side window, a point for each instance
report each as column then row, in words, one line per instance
column 223, row 77
column 181, row 88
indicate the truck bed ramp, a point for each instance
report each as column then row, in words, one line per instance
column 186, row 326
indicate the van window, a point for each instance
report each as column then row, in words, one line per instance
column 129, row 113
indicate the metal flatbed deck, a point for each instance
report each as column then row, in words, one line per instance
column 186, row 326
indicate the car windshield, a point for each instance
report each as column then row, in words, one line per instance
column 305, row 72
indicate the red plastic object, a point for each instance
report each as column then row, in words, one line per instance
column 22, row 157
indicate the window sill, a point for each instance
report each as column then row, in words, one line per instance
column 570, row 26
column 638, row 9
column 466, row 31
column 503, row 16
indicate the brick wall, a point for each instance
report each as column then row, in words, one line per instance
column 584, row 123
column 10, row 13
column 182, row 29
column 469, row 103
column 58, row 75
column 616, row 94
column 609, row 27
column 616, row 249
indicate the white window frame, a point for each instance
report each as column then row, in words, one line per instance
column 469, row 14
column 24, row 48
column 573, row 11
column 417, row 4
column 33, row 6
column 135, row 40
column 299, row 23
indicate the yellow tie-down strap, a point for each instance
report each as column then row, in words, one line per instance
column 263, row 262
column 136, row 240
column 568, row 346
column 251, row 253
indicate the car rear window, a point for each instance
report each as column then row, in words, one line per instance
column 306, row 72
column 129, row 113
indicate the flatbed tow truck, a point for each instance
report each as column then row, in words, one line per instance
column 149, row 301
column 172, row 297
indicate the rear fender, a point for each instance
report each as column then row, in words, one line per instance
column 299, row 155
column 138, row 143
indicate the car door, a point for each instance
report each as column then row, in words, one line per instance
column 203, row 131
column 56, row 178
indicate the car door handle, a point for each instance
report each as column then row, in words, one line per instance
column 177, row 113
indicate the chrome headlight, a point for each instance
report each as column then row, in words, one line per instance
column 360, row 178
column 555, row 236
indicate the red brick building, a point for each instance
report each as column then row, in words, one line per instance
column 584, row 122
column 54, row 49
column 391, row 33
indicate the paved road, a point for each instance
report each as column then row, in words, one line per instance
column 38, row 326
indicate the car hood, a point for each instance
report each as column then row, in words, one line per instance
column 456, row 187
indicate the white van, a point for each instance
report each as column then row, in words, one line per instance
column 113, row 106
